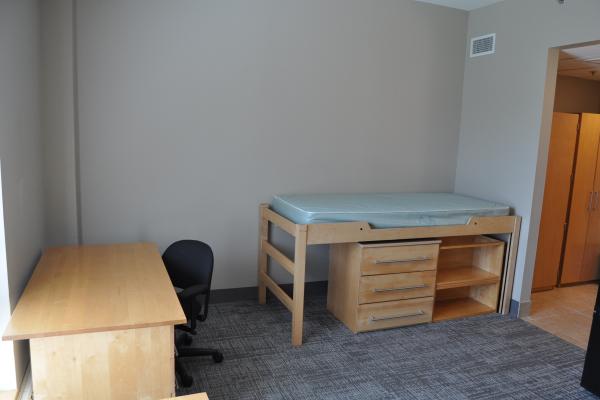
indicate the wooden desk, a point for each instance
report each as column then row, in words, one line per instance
column 198, row 396
column 100, row 322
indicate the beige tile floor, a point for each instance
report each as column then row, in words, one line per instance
column 565, row 312
column 8, row 395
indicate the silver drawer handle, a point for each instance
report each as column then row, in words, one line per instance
column 400, row 288
column 415, row 314
column 405, row 260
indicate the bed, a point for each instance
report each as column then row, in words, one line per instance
column 371, row 217
column 385, row 210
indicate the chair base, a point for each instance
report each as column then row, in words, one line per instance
column 186, row 379
column 198, row 352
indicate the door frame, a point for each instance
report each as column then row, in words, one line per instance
column 541, row 165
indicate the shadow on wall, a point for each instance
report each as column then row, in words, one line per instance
column 317, row 259
column 576, row 95
column 8, row 379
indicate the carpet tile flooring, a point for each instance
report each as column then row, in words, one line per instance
column 488, row 357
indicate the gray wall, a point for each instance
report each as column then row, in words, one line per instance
column 504, row 139
column 58, row 117
column 20, row 147
column 574, row 95
column 193, row 112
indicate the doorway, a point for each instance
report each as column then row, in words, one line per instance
column 567, row 267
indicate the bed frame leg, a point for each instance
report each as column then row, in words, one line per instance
column 299, row 280
column 509, row 277
column 262, row 256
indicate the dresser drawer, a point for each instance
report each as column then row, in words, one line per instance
column 391, row 314
column 376, row 288
column 401, row 258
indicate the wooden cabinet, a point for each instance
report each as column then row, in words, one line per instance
column 582, row 245
column 569, row 236
column 390, row 284
column 590, row 267
column 555, row 208
column 382, row 285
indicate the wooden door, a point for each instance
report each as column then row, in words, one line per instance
column 590, row 267
column 561, row 157
column 582, row 198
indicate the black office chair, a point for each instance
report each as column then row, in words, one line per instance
column 190, row 266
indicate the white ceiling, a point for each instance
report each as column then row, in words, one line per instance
column 581, row 62
column 462, row 4
column 584, row 53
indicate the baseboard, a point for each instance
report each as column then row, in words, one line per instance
column 228, row 295
column 543, row 289
column 519, row 309
column 318, row 288
column 563, row 285
column 524, row 309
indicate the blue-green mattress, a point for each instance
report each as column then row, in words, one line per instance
column 385, row 210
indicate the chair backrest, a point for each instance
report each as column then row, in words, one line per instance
column 189, row 262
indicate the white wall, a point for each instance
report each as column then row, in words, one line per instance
column 503, row 100
column 574, row 95
column 20, row 147
column 192, row 112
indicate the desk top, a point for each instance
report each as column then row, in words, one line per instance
column 80, row 289
column 198, row 396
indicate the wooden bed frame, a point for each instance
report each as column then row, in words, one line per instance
column 360, row 231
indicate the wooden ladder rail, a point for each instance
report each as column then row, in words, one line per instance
column 296, row 267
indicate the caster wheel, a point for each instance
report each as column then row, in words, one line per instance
column 218, row 357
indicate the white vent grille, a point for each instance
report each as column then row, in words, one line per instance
column 483, row 45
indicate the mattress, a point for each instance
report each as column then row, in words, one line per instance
column 385, row 210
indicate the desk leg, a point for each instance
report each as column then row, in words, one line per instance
column 124, row 364
column 262, row 256
column 299, row 280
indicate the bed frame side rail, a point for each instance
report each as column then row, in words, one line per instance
column 296, row 267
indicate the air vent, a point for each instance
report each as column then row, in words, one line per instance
column 483, row 45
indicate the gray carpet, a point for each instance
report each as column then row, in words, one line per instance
column 489, row 357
